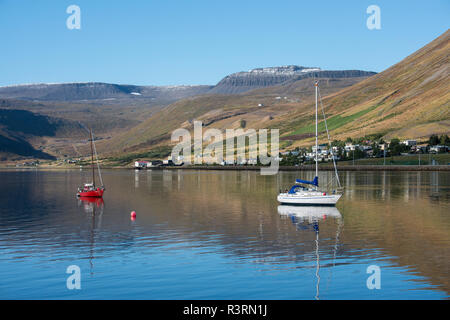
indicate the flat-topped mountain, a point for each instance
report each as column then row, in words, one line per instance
column 266, row 77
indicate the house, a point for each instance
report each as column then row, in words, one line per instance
column 349, row 147
column 167, row 162
column 141, row 164
column 420, row 148
column 336, row 158
column 228, row 163
column 320, row 148
column 241, row 161
column 293, row 152
column 438, row 149
column 409, row 143
column 368, row 150
column 155, row 163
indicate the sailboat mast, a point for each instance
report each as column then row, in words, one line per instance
column 92, row 157
column 316, row 84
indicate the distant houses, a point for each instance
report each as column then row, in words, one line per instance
column 152, row 164
column 365, row 148
column 338, row 151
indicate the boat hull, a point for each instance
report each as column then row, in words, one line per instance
column 91, row 193
column 305, row 200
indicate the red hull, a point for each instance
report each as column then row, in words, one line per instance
column 92, row 193
column 98, row 201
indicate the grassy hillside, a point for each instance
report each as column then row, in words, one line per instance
column 22, row 133
column 222, row 111
column 409, row 100
column 106, row 120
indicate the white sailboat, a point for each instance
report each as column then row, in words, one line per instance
column 305, row 192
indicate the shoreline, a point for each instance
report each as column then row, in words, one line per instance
column 255, row 168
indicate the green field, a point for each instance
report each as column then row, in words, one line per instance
column 333, row 122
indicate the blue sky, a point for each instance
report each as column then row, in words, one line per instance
column 166, row 42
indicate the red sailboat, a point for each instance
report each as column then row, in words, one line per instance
column 89, row 189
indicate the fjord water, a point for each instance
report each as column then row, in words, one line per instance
column 222, row 235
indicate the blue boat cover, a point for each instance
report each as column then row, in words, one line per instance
column 293, row 188
column 315, row 182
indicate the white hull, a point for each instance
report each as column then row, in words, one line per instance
column 313, row 198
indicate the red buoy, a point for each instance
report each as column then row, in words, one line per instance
column 133, row 214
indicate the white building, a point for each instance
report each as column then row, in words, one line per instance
column 409, row 143
column 141, row 164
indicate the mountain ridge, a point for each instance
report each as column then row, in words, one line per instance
column 411, row 99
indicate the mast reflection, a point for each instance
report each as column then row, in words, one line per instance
column 94, row 207
column 308, row 218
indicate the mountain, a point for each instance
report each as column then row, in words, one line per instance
column 106, row 108
column 266, row 77
column 19, row 127
column 259, row 108
column 114, row 110
column 408, row 100
column 98, row 91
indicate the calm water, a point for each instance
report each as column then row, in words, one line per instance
column 221, row 235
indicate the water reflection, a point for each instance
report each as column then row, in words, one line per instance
column 93, row 207
column 194, row 227
column 308, row 218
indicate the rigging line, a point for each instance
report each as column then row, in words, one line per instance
column 96, row 157
column 329, row 142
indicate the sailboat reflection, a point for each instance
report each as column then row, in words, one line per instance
column 90, row 204
column 94, row 207
column 303, row 217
